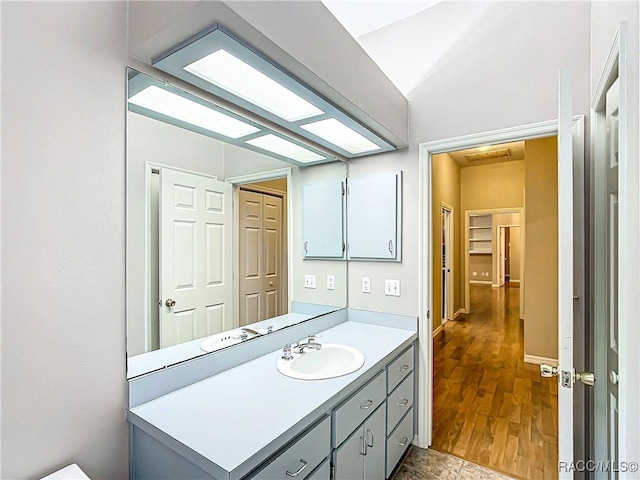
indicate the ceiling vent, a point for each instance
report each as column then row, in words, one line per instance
column 490, row 155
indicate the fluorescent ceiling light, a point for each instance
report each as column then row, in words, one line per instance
column 232, row 74
column 275, row 144
column 339, row 134
column 178, row 107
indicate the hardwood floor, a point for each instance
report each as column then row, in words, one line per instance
column 490, row 407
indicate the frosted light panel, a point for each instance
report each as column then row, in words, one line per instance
column 173, row 105
column 232, row 74
column 339, row 134
column 275, row 144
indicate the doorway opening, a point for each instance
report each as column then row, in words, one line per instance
column 490, row 405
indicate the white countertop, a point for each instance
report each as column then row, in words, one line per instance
column 231, row 416
column 157, row 359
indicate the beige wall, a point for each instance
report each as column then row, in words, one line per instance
column 514, row 254
column 490, row 187
column 541, row 240
column 497, row 185
column 446, row 189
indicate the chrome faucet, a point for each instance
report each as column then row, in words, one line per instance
column 310, row 344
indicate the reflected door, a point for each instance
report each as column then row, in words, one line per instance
column 260, row 256
column 196, row 281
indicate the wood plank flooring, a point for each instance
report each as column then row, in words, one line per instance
column 489, row 406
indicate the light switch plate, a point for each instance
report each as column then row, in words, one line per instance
column 331, row 282
column 309, row 281
column 392, row 288
column 366, row 285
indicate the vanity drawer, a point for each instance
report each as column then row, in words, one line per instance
column 323, row 472
column 399, row 441
column 356, row 409
column 399, row 403
column 399, row 368
column 299, row 460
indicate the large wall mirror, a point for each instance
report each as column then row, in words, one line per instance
column 216, row 254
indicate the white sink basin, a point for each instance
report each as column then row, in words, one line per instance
column 219, row 341
column 332, row 360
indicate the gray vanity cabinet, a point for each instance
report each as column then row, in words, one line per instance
column 362, row 455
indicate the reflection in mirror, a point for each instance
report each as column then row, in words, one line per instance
column 215, row 242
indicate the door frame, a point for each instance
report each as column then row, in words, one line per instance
column 425, row 162
column 448, row 313
column 629, row 230
column 240, row 180
column 467, row 255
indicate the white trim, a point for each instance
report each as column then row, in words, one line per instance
column 496, row 285
column 425, row 328
column 437, row 331
column 461, row 311
column 540, row 360
column 481, row 282
column 514, row 281
column 451, row 282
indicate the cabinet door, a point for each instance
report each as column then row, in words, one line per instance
column 374, row 216
column 348, row 458
column 375, row 438
column 323, row 220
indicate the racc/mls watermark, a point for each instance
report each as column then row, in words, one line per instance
column 597, row 466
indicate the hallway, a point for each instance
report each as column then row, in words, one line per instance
column 490, row 407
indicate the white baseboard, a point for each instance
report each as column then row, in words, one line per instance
column 437, row 331
column 539, row 360
column 481, row 282
column 514, row 281
column 495, row 285
column 459, row 312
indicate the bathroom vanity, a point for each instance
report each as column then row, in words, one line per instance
column 251, row 421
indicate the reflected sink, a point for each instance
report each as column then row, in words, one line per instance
column 332, row 360
column 218, row 342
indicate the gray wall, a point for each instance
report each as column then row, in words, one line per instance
column 63, row 239
column 503, row 72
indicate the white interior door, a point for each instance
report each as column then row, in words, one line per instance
column 196, row 282
column 616, row 278
column 502, row 257
column 565, row 369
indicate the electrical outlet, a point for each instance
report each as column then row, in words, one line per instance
column 309, row 281
column 366, row 285
column 331, row 282
column 474, row 274
column 392, row 288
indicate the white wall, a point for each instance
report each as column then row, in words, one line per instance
column 502, row 73
column 63, row 218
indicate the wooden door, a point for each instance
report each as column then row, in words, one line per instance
column 260, row 256
column 196, row 281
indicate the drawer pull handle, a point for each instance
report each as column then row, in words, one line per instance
column 403, row 442
column 404, row 402
column 299, row 471
column 367, row 406
column 370, row 445
column 403, row 368
column 363, row 451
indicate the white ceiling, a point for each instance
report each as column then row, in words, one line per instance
column 360, row 17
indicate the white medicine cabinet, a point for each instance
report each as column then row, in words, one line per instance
column 323, row 224
column 374, row 217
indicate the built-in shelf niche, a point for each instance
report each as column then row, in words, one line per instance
column 480, row 234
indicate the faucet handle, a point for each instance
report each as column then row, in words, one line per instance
column 286, row 352
column 312, row 337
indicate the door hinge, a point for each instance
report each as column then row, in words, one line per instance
column 332, row 474
column 344, row 247
column 343, row 189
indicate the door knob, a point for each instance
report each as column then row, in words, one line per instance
column 587, row 378
column 548, row 371
column 170, row 302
